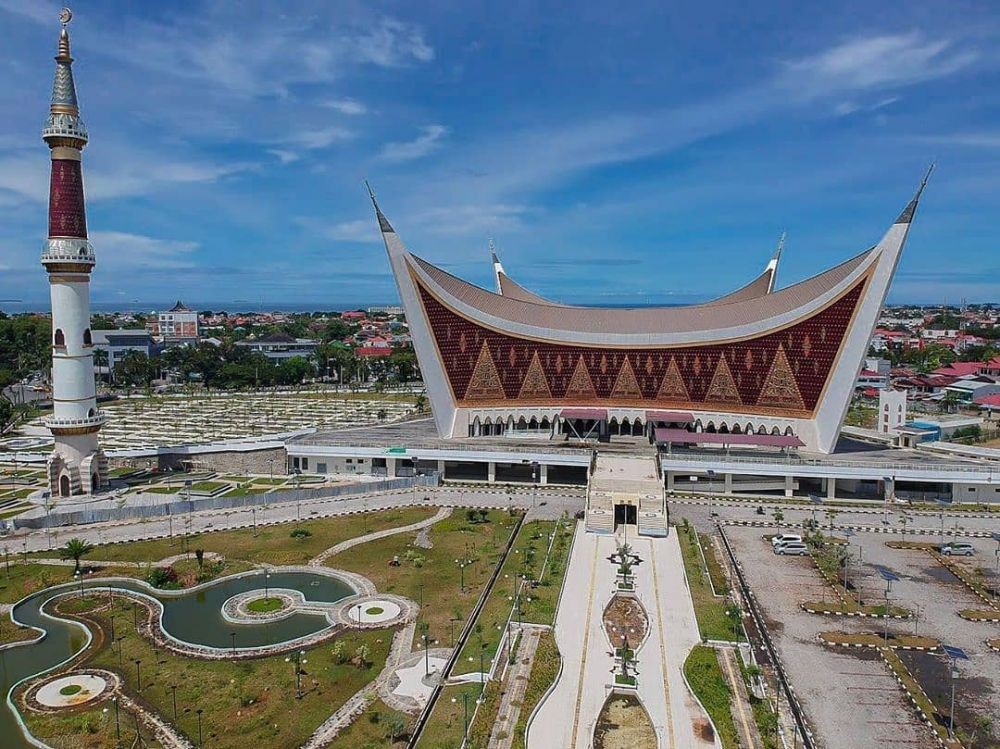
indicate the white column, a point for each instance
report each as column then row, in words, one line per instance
column 491, row 472
column 789, row 486
column 728, row 483
column 831, row 488
column 543, row 474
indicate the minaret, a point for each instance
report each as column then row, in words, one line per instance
column 76, row 465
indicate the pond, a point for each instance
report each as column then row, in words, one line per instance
column 192, row 616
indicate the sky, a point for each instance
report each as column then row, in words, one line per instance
column 645, row 153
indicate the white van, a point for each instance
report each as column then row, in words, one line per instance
column 784, row 538
column 792, row 548
column 958, row 549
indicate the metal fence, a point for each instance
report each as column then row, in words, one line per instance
column 60, row 517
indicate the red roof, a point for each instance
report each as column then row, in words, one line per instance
column 989, row 400
column 870, row 392
column 594, row 414
column 960, row 368
column 372, row 351
column 707, row 438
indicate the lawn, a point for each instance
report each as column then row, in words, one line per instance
column 529, row 559
column 266, row 545
column 713, row 623
column 245, row 703
column 431, row 577
column 374, row 728
column 446, row 724
column 543, row 673
column 709, row 684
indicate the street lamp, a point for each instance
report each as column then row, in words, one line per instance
column 890, row 577
column 297, row 659
column 816, row 501
column 847, row 556
column 201, row 742
column 996, row 578
column 118, row 725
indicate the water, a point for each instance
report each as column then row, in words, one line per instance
column 194, row 617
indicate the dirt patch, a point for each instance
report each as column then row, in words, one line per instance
column 624, row 724
column 625, row 617
column 932, row 672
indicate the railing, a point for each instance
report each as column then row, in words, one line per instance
column 794, row 460
column 765, row 638
column 87, row 421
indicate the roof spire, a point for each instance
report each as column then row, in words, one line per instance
column 493, row 252
column 64, row 126
column 383, row 222
column 906, row 216
column 781, row 246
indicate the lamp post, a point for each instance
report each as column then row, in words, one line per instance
column 232, row 636
column 954, row 655
column 890, row 577
column 847, row 556
column 534, row 483
column 173, row 689
column 118, row 725
column 201, row 741
column 297, row 659
column 996, row 577
column 138, row 673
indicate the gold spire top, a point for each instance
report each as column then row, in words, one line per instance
column 65, row 16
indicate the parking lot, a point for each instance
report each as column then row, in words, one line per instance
column 849, row 696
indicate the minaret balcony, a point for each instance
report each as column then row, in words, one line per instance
column 68, row 250
column 57, row 423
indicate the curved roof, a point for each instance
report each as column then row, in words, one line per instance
column 742, row 311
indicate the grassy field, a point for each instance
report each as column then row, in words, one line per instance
column 377, row 726
column 431, row 577
column 713, row 622
column 266, row 545
column 446, row 724
column 706, row 679
column 527, row 558
column 543, row 672
column 245, row 703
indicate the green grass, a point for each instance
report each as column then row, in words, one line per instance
column 372, row 729
column 543, row 672
column 720, row 581
column 70, row 689
column 446, row 723
column 709, row 684
column 710, row 610
column 264, row 605
column 430, row 576
column 268, row 545
column 245, row 702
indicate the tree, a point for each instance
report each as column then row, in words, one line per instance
column 361, row 656
column 75, row 549
column 394, row 727
column 6, row 414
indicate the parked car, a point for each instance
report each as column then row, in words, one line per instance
column 784, row 538
column 958, row 549
column 792, row 548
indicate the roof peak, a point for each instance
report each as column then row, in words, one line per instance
column 906, row 216
column 383, row 222
column 64, row 110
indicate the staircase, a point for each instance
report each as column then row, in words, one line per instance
column 629, row 480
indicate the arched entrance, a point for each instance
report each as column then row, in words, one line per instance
column 64, row 485
column 95, row 483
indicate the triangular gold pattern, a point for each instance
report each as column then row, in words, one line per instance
column 580, row 384
column 780, row 388
column 723, row 387
column 672, row 388
column 626, row 386
column 485, row 381
column 535, row 384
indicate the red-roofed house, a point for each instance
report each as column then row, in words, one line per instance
column 989, row 402
column 960, row 369
column 992, row 367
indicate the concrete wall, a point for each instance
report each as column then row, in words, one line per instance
column 225, row 461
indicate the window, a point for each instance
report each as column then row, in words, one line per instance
column 60, row 337
column 295, row 462
column 305, row 463
column 350, row 461
column 321, row 468
column 88, row 339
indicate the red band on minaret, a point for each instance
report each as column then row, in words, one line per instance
column 67, row 215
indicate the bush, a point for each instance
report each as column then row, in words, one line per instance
column 300, row 533
column 164, row 577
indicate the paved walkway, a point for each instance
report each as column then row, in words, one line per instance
column 320, row 559
column 513, row 696
column 567, row 717
column 742, row 715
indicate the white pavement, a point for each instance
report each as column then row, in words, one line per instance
column 566, row 719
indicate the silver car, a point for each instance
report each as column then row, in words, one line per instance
column 958, row 549
column 792, row 548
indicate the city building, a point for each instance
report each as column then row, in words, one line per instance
column 281, row 346
column 76, row 465
column 117, row 343
column 176, row 326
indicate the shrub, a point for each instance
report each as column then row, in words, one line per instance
column 300, row 533
column 164, row 577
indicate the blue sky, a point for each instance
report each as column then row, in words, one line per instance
column 644, row 152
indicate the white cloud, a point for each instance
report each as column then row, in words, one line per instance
column 120, row 250
column 316, row 138
column 428, row 140
column 391, row 43
column 285, row 157
column 351, row 107
column 361, row 230
column 873, row 62
column 984, row 139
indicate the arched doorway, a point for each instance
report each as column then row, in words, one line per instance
column 95, row 483
column 64, row 485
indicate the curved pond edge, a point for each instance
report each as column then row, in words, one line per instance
column 362, row 587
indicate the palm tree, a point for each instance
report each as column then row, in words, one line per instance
column 75, row 549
